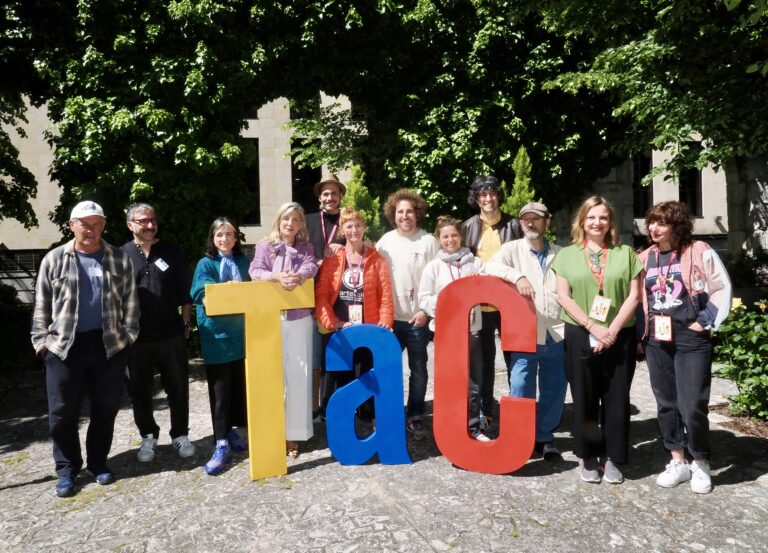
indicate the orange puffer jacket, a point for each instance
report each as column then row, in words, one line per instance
column 377, row 289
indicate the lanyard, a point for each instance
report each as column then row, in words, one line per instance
column 327, row 239
column 355, row 270
column 599, row 275
column 661, row 277
column 450, row 270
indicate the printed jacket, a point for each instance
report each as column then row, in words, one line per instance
column 706, row 280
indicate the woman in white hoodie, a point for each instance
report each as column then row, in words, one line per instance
column 453, row 262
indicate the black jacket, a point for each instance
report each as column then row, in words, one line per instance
column 316, row 235
column 508, row 228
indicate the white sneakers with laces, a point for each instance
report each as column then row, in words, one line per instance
column 147, row 449
column 675, row 473
column 148, row 446
column 701, row 479
column 184, row 446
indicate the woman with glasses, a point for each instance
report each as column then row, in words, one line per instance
column 598, row 288
column 287, row 257
column 222, row 342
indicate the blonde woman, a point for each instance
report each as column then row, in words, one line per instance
column 598, row 287
column 287, row 257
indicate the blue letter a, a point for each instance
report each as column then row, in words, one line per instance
column 384, row 382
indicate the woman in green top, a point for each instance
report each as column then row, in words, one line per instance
column 598, row 287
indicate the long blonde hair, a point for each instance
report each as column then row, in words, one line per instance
column 301, row 237
column 612, row 237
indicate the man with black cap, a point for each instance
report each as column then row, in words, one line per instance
column 527, row 263
column 85, row 319
column 484, row 234
column 323, row 228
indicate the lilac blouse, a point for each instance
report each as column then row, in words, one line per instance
column 269, row 258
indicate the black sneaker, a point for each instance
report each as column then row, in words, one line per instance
column 550, row 452
column 416, row 429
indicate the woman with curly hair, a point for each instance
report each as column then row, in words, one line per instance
column 687, row 295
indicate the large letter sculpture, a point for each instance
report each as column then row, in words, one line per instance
column 517, row 415
column 261, row 303
column 384, row 383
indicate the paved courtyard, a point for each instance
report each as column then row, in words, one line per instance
column 321, row 506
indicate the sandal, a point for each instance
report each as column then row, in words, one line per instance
column 292, row 449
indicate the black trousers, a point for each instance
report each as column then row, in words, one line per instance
column 85, row 372
column 362, row 362
column 491, row 323
column 226, row 393
column 169, row 358
column 681, row 378
column 600, row 386
column 475, row 381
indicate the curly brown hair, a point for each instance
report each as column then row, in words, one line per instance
column 679, row 219
column 418, row 203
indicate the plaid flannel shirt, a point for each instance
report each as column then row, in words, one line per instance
column 56, row 301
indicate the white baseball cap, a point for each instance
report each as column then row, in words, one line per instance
column 86, row 209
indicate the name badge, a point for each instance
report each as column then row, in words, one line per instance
column 356, row 314
column 600, row 307
column 160, row 264
column 662, row 328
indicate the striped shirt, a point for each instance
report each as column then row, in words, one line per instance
column 56, row 301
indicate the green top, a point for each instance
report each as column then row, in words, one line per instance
column 622, row 266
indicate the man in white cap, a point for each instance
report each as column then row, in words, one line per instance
column 85, row 319
column 527, row 263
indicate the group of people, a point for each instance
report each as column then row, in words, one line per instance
column 99, row 309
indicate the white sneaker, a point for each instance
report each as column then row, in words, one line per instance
column 184, row 446
column 147, row 449
column 701, row 481
column 676, row 473
column 480, row 437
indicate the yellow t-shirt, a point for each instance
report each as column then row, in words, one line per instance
column 489, row 244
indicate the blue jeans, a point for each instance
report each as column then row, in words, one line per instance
column 415, row 340
column 548, row 361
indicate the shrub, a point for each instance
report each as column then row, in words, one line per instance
column 743, row 351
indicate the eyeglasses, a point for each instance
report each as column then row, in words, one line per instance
column 145, row 222
column 530, row 220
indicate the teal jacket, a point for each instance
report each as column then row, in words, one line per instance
column 222, row 337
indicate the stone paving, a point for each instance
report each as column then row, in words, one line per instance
column 321, row 506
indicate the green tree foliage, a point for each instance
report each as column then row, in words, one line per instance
column 676, row 70
column 521, row 192
column 359, row 197
column 149, row 105
column 742, row 349
column 24, row 30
